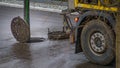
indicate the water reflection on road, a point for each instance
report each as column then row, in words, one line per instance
column 21, row 51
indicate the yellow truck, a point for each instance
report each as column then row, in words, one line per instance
column 94, row 31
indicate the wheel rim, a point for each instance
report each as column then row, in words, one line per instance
column 97, row 43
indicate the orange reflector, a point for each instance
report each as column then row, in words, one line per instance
column 76, row 19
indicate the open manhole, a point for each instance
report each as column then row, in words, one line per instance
column 57, row 35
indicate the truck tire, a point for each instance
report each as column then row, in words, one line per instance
column 98, row 42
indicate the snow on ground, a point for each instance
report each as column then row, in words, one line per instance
column 34, row 5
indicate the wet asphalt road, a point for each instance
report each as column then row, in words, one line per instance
column 39, row 53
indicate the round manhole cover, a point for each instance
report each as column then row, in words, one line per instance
column 20, row 29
